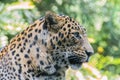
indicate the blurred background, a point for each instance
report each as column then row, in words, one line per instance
column 100, row 17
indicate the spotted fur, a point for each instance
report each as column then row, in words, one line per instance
column 45, row 50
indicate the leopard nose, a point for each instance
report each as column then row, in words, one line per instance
column 89, row 53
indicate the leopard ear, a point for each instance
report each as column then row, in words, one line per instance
column 53, row 21
column 51, row 18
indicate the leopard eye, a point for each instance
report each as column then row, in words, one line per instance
column 84, row 30
column 77, row 35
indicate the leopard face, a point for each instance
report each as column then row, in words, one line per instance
column 70, row 37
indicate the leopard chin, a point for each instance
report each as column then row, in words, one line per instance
column 76, row 66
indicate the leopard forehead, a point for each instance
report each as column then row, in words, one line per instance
column 69, row 24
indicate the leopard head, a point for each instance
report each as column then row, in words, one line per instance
column 68, row 34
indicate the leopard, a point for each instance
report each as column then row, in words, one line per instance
column 45, row 50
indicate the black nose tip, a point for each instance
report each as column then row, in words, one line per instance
column 89, row 53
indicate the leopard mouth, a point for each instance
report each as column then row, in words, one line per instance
column 74, row 59
column 75, row 62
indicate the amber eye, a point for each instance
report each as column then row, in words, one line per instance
column 77, row 35
column 84, row 30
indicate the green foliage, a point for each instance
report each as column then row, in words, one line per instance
column 100, row 17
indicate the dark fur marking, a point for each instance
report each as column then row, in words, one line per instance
column 44, row 26
column 69, row 25
column 36, row 30
column 41, row 62
column 13, row 52
column 29, row 35
column 26, row 56
column 34, row 25
column 37, row 56
column 18, row 39
column 28, row 51
column 29, row 62
column 12, row 46
column 39, row 31
column 36, row 37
